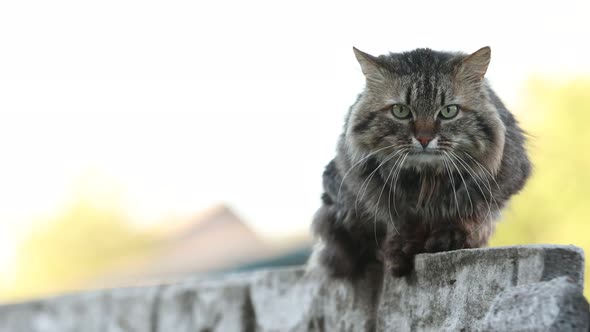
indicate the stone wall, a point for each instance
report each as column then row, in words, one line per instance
column 526, row 288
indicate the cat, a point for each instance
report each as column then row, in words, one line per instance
column 428, row 158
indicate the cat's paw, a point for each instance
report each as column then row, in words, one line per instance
column 399, row 254
column 445, row 239
column 400, row 265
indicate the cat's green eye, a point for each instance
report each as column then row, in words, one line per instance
column 401, row 111
column 449, row 112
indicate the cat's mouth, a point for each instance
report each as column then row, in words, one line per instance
column 425, row 158
column 426, row 152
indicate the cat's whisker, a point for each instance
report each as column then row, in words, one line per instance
column 389, row 202
column 383, row 188
column 397, row 162
column 464, row 183
column 488, row 175
column 366, row 183
column 492, row 199
column 358, row 163
column 445, row 158
column 476, row 178
column 483, row 168
column 395, row 184
column 484, row 177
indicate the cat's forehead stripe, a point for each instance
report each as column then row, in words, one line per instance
column 409, row 95
column 427, row 87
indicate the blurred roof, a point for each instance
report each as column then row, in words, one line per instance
column 214, row 240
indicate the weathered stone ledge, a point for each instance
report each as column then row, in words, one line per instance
column 524, row 288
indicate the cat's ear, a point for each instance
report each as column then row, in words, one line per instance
column 474, row 66
column 369, row 65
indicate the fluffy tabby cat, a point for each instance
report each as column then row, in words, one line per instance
column 428, row 158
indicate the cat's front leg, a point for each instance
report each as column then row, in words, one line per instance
column 401, row 246
column 457, row 235
column 346, row 245
column 478, row 233
column 446, row 238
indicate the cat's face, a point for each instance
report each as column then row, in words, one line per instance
column 429, row 108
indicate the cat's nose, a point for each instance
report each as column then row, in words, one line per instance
column 424, row 140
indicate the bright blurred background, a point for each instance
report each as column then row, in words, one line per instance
column 151, row 140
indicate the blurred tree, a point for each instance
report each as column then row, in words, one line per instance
column 84, row 241
column 554, row 207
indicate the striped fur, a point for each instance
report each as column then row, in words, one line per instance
column 386, row 197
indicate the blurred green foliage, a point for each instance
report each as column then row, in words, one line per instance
column 77, row 246
column 554, row 207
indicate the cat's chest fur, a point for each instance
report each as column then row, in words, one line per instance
column 399, row 194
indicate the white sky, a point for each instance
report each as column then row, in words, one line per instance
column 183, row 104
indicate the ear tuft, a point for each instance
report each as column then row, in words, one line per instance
column 369, row 65
column 476, row 65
